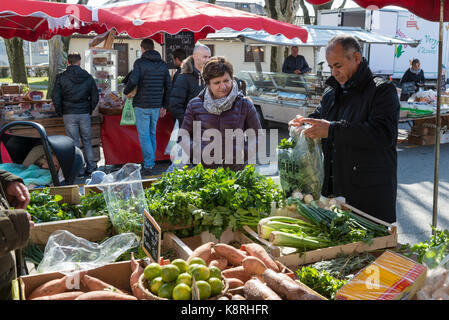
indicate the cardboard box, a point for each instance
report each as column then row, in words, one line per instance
column 390, row 277
column 293, row 258
column 91, row 228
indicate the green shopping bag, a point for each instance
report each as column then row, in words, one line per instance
column 128, row 116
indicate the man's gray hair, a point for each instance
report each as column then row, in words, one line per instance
column 348, row 43
column 200, row 46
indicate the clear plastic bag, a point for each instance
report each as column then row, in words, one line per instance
column 125, row 198
column 173, row 138
column 301, row 166
column 66, row 252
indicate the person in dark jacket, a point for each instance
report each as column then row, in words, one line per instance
column 295, row 63
column 179, row 56
column 413, row 74
column 218, row 109
column 150, row 75
column 189, row 83
column 15, row 227
column 75, row 96
column 357, row 121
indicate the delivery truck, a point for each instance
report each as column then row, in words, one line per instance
column 393, row 60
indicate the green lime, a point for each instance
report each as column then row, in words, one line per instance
column 204, row 289
column 169, row 273
column 155, row 285
column 215, row 272
column 201, row 273
column 182, row 292
column 197, row 260
column 181, row 264
column 152, row 271
column 192, row 267
column 166, row 290
column 184, row 278
column 216, row 286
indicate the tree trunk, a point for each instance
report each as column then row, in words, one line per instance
column 305, row 12
column 57, row 61
column 16, row 58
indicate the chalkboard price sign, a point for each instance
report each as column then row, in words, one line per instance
column 151, row 237
column 184, row 40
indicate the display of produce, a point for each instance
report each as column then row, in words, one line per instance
column 102, row 65
column 212, row 199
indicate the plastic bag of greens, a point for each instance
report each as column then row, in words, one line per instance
column 300, row 164
column 125, row 198
column 128, row 115
column 66, row 252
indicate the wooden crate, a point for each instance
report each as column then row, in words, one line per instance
column 293, row 258
column 90, row 228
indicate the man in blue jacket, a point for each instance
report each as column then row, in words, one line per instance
column 295, row 63
column 150, row 75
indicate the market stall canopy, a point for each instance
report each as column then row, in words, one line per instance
column 427, row 9
column 318, row 36
column 33, row 20
column 147, row 19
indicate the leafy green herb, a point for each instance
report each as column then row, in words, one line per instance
column 320, row 281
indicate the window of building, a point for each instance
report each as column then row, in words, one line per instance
column 249, row 53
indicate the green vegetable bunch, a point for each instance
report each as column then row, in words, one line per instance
column 44, row 207
column 439, row 238
column 212, row 199
column 320, row 281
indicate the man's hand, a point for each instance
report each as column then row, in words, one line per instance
column 162, row 113
column 17, row 195
column 297, row 72
column 296, row 122
column 319, row 128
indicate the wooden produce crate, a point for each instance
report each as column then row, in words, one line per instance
column 90, row 228
column 293, row 258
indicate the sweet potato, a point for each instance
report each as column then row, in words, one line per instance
column 237, row 297
column 214, row 255
column 285, row 286
column 94, row 284
column 238, row 290
column 233, row 255
column 254, row 289
column 223, row 298
column 221, row 263
column 236, row 272
column 137, row 270
column 50, row 288
column 104, row 295
column 204, row 252
column 258, row 251
column 234, row 283
column 62, row 296
column 254, row 266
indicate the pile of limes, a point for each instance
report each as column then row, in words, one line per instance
column 174, row 281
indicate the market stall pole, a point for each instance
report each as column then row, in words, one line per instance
column 433, row 10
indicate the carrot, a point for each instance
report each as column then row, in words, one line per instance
column 137, row 270
column 254, row 289
column 50, row 288
column 62, row 296
column 104, row 295
column 219, row 263
column 233, row 255
column 254, row 266
column 258, row 251
column 204, row 252
column 238, row 273
column 94, row 284
column 234, row 283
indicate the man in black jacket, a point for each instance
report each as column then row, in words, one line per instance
column 295, row 63
column 178, row 57
column 189, row 83
column 150, row 75
column 75, row 96
column 357, row 121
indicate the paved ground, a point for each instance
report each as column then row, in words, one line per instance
column 415, row 187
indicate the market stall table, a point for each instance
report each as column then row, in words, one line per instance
column 121, row 143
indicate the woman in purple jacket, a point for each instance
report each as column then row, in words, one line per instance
column 221, row 124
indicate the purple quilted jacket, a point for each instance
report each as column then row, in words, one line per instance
column 242, row 115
